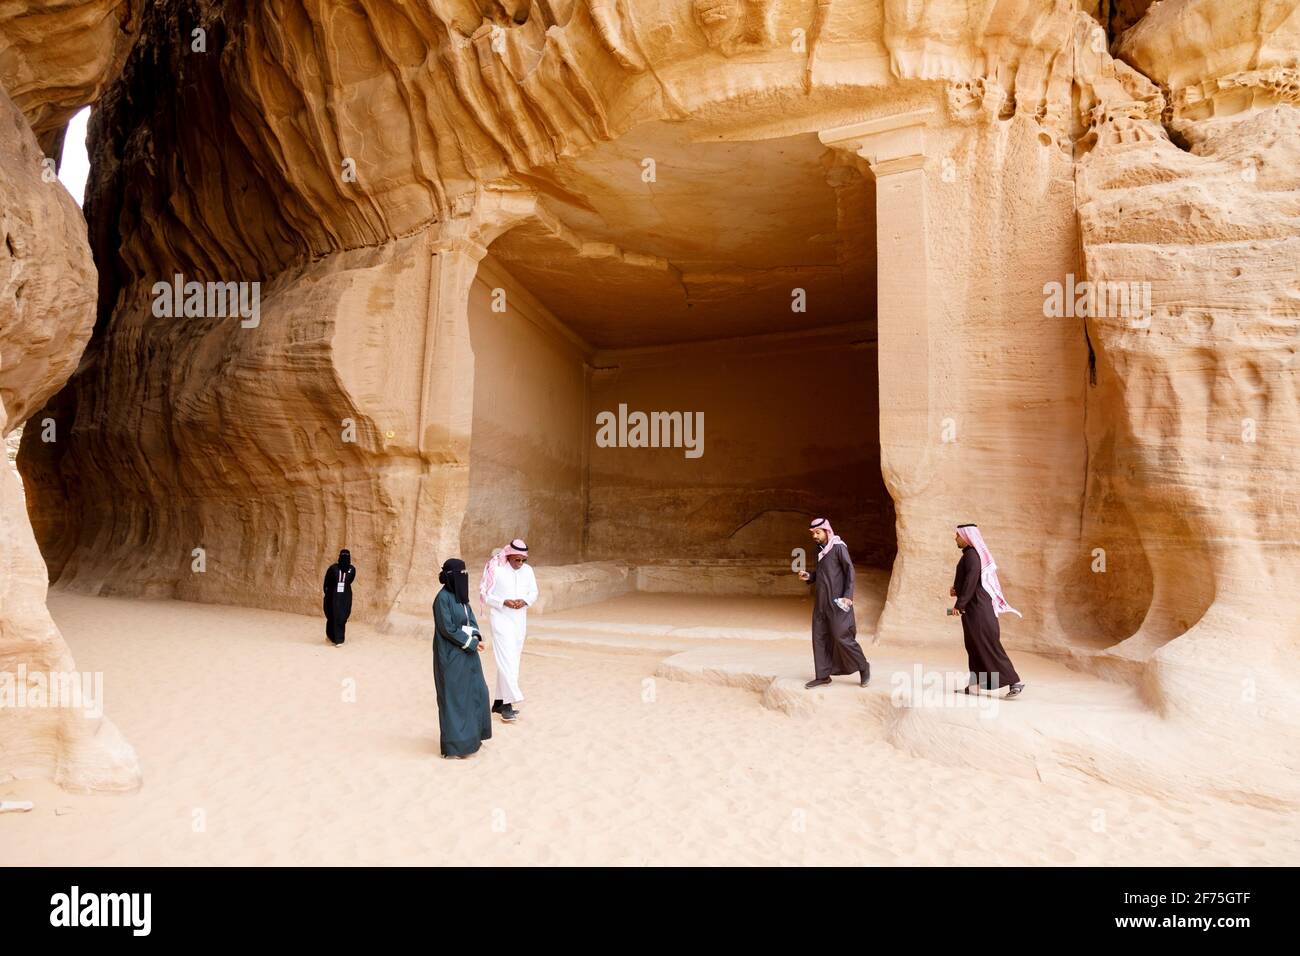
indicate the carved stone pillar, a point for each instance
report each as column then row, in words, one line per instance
column 446, row 402
column 894, row 149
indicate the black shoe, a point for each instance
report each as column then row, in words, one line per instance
column 496, row 706
column 508, row 714
column 1016, row 690
column 816, row 683
column 865, row 677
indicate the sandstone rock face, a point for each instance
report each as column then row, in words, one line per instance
column 48, row 282
column 1195, row 420
column 834, row 231
column 47, row 296
column 56, row 57
column 577, row 166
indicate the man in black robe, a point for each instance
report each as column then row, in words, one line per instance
column 464, row 711
column 338, row 597
column 979, row 603
column 834, row 630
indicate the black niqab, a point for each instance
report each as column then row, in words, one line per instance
column 455, row 578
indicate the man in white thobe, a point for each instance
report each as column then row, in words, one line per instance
column 508, row 588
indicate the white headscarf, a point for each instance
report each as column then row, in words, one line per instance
column 988, row 569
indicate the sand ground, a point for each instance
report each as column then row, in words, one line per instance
column 252, row 753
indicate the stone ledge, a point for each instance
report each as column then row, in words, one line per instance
column 1068, row 724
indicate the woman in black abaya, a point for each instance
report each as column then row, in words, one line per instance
column 338, row 597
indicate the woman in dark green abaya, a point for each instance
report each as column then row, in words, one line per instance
column 464, row 711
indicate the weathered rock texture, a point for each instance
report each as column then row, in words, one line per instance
column 47, row 298
column 669, row 289
column 57, row 56
column 477, row 226
column 1194, row 423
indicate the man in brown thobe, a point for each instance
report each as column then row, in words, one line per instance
column 979, row 603
column 834, row 631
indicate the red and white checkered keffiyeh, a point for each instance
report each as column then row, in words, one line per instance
column 832, row 539
column 516, row 546
column 988, row 569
